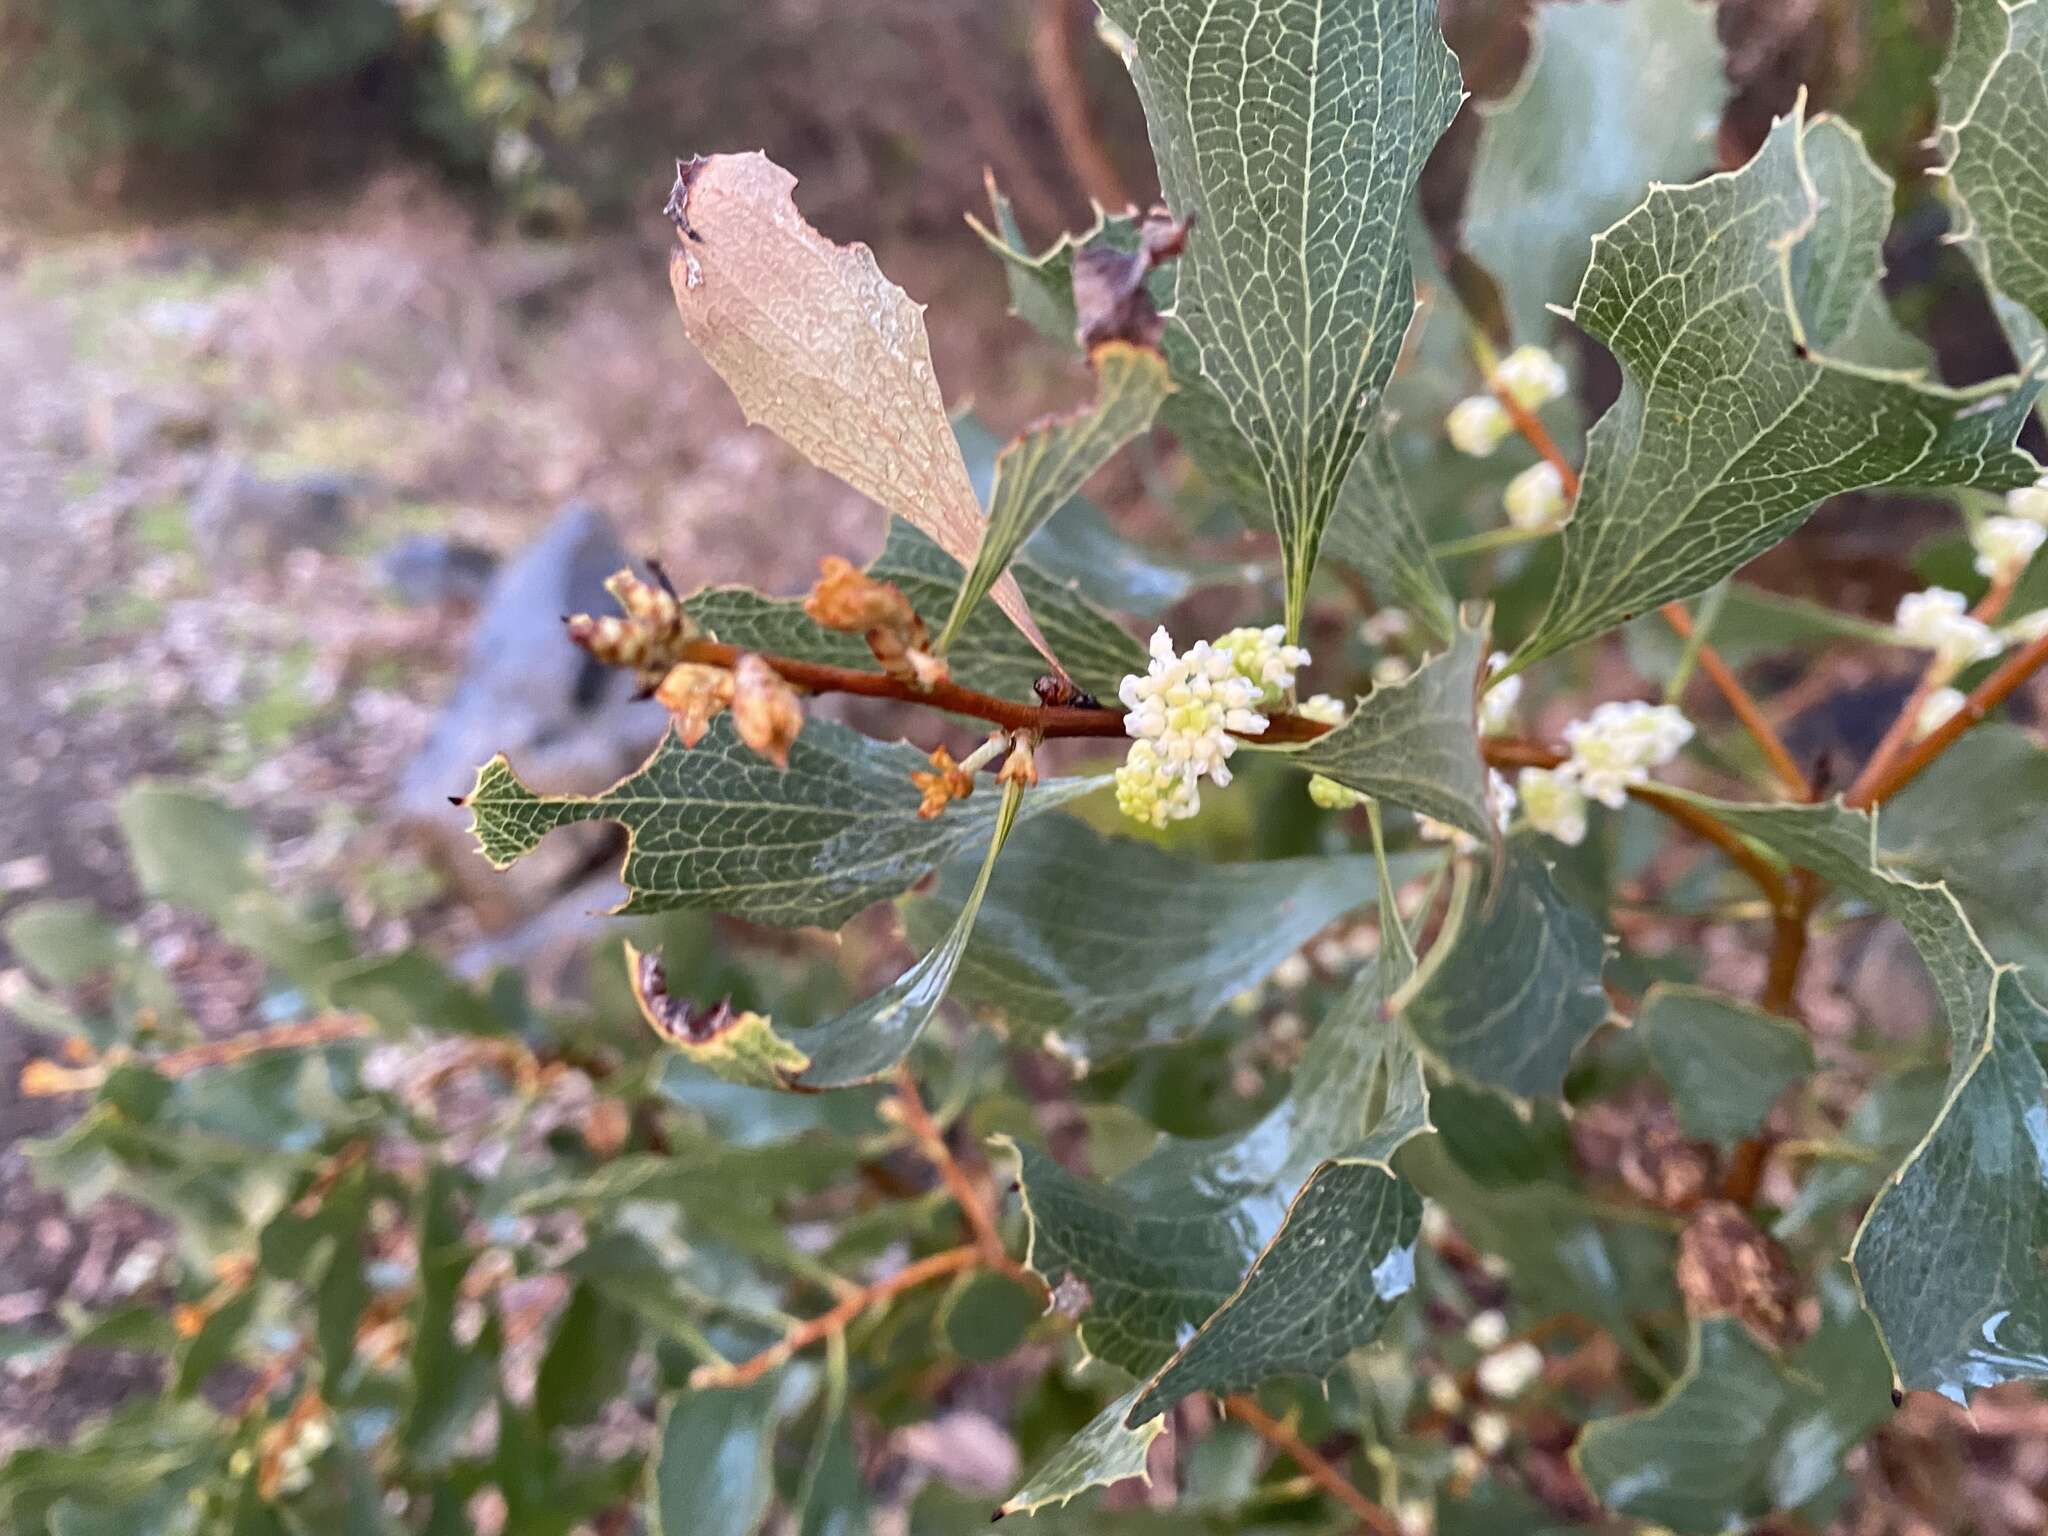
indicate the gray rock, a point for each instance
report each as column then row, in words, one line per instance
column 240, row 516
column 567, row 724
column 424, row 568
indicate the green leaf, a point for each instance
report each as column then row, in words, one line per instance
column 585, row 1365
column 1415, row 743
column 1726, row 1063
column 1344, row 1256
column 451, row 1381
column 989, row 652
column 1948, row 1253
column 1743, row 1433
column 1106, row 1451
column 1762, row 372
column 1377, row 531
column 1166, row 1245
column 1513, row 984
column 187, row 848
column 1043, row 468
column 716, row 826
column 1295, row 134
column 856, row 1047
column 1110, row 943
column 1994, row 139
column 64, row 942
column 711, row 1462
column 1566, row 154
column 1977, row 820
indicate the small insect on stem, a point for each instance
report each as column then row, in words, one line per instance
column 1056, row 692
column 677, row 209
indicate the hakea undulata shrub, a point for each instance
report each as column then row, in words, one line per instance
column 1416, row 1027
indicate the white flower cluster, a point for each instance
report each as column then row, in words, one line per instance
column 1264, row 656
column 1183, row 711
column 1612, row 749
column 1940, row 621
column 1529, row 376
column 2004, row 545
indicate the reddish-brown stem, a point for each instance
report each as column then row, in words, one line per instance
column 1723, row 677
column 1320, row 1471
column 801, row 1337
column 1704, row 825
column 1057, row 36
column 931, row 1141
column 1745, row 706
column 1984, row 698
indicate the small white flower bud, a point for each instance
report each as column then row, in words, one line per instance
column 1444, row 1395
column 1488, row 1330
column 1322, row 708
column 1292, row 974
column 1329, row 795
column 2004, row 545
column 1385, row 627
column 1416, row 1517
column 1531, row 377
column 1489, row 1432
column 1535, row 500
column 1939, row 620
column 1477, row 425
column 2030, row 501
column 1553, row 803
column 1497, row 703
column 1939, row 709
column 1510, row 1372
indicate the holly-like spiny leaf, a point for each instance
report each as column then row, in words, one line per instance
column 856, row 1047
column 715, row 826
column 1295, row 135
column 988, row 652
column 1108, row 943
column 1743, row 1432
column 1166, row 1245
column 821, row 348
column 1106, row 1450
column 1994, row 137
column 1762, row 373
column 1948, row 1256
column 1513, row 984
column 1564, row 156
column 1042, row 469
column 1415, row 743
column 1725, row 1063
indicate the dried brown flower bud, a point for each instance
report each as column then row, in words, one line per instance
column 1728, row 1265
column 695, row 695
column 946, row 783
column 1110, row 298
column 848, row 599
column 765, row 709
column 1021, row 766
column 649, row 639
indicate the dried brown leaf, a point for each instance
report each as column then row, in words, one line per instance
column 822, row 349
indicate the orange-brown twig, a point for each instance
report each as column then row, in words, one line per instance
column 1874, row 782
column 1717, row 670
column 1984, row 698
column 1057, row 35
column 1282, row 1438
column 951, row 1262
column 932, row 1142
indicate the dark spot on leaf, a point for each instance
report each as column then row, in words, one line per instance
column 678, row 1018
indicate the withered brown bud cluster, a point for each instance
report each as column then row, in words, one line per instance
column 647, row 635
column 1111, row 302
column 847, row 599
column 765, row 710
column 651, row 636
column 946, row 783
